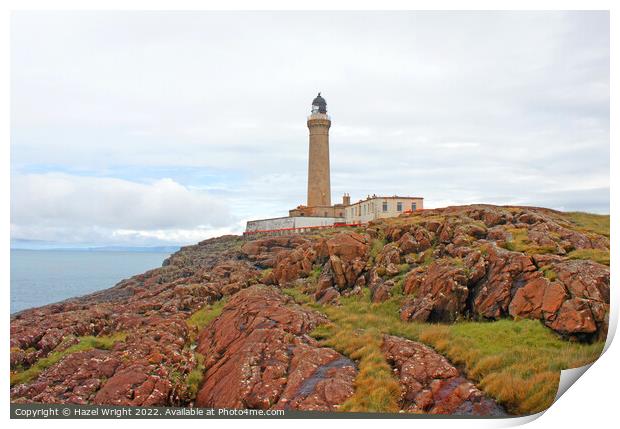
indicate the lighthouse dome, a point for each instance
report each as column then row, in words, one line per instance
column 319, row 105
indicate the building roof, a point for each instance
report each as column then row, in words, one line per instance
column 393, row 197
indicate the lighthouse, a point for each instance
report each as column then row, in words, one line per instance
column 319, row 211
column 319, row 190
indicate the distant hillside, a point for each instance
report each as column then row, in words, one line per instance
column 54, row 247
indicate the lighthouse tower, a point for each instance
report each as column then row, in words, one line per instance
column 319, row 190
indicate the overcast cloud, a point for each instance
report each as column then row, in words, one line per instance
column 149, row 128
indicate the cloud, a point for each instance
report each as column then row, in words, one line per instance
column 63, row 207
column 457, row 107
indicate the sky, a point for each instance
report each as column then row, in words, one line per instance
column 165, row 128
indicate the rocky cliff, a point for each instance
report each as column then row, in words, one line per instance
column 236, row 323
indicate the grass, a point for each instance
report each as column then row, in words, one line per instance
column 597, row 255
column 85, row 343
column 521, row 243
column 376, row 389
column 201, row 318
column 428, row 256
column 197, row 322
column 194, row 378
column 375, row 248
column 549, row 273
column 517, row 362
column 589, row 222
column 315, row 273
column 265, row 273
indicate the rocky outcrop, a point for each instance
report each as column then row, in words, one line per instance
column 341, row 260
column 134, row 372
column 478, row 262
column 506, row 272
column 438, row 293
column 148, row 366
column 430, row 384
column 259, row 355
column 264, row 251
column 348, row 255
column 576, row 302
column 470, row 274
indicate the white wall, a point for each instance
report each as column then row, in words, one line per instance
column 290, row 222
column 269, row 224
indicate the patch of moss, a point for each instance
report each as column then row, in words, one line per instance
column 201, row 318
column 520, row 242
column 315, row 273
column 194, row 378
column 265, row 273
column 549, row 273
column 376, row 246
column 85, row 343
column 297, row 295
column 403, row 268
column 597, row 255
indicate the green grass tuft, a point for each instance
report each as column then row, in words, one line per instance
column 265, row 273
column 315, row 274
column 597, row 255
column 376, row 247
column 194, row 378
column 549, row 273
column 201, row 318
column 85, row 343
column 521, row 243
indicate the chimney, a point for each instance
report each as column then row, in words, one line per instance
column 346, row 199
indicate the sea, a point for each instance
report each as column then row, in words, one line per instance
column 40, row 277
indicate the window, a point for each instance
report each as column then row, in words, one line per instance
column 399, row 206
column 414, row 207
column 385, row 208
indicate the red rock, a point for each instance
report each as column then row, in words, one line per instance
column 554, row 295
column 348, row 246
column 390, row 254
column 329, row 296
column 506, row 272
column 259, row 356
column 430, row 384
column 528, row 300
column 392, row 270
column 417, row 309
column 584, row 279
column 574, row 317
column 468, row 276
column 382, row 292
column 440, row 292
column 407, row 243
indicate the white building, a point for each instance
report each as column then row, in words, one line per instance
column 374, row 207
column 319, row 212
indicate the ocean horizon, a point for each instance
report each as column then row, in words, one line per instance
column 41, row 277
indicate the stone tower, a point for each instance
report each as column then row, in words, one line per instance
column 319, row 193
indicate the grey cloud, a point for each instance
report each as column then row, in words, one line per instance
column 454, row 106
column 73, row 208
